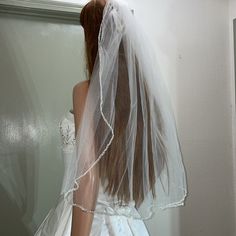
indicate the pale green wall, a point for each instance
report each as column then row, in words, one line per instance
column 40, row 62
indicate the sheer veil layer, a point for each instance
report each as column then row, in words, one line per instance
column 127, row 111
column 126, row 67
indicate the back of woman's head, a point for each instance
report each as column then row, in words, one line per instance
column 90, row 19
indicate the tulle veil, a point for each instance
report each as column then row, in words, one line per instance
column 122, row 44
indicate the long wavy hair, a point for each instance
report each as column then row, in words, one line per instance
column 113, row 165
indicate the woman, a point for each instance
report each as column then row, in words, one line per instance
column 127, row 153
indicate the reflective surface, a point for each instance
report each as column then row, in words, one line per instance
column 41, row 61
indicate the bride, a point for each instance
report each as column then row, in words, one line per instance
column 126, row 157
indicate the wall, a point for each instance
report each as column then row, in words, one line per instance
column 41, row 61
column 232, row 29
column 192, row 42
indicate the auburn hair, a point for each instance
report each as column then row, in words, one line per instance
column 113, row 165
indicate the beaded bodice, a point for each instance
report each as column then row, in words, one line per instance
column 67, row 131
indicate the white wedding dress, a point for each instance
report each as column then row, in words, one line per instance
column 103, row 225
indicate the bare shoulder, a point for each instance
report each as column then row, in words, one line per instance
column 81, row 87
column 80, row 91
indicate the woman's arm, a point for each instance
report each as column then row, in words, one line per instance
column 89, row 184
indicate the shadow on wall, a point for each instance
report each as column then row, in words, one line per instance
column 18, row 146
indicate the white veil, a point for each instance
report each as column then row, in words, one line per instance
column 124, row 55
column 149, row 148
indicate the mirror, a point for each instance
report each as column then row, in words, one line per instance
column 42, row 58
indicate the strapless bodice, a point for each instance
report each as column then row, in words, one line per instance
column 58, row 220
column 67, row 135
